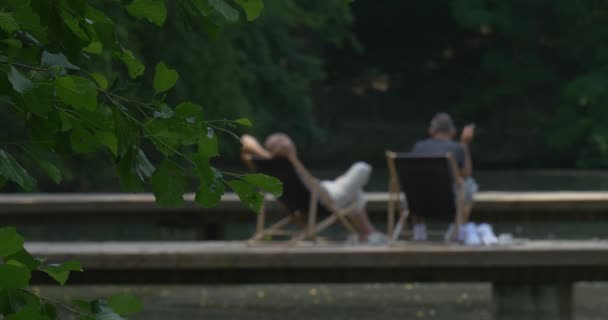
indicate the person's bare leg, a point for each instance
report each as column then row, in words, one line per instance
column 466, row 215
column 419, row 232
column 361, row 222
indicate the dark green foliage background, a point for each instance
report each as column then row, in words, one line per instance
column 530, row 74
column 349, row 82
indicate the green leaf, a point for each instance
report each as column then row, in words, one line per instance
column 30, row 22
column 40, row 99
column 252, row 8
column 266, row 183
column 213, row 28
column 77, row 92
column 42, row 130
column 134, row 66
column 211, row 188
column 61, row 272
column 14, row 277
column 188, row 122
column 10, row 241
column 133, row 169
column 164, row 78
column 165, row 112
column 244, row 122
column 143, row 167
column 13, row 171
column 25, row 258
column 169, row 184
column 248, row 194
column 127, row 132
column 56, row 60
column 13, row 43
column 153, row 10
column 15, row 3
column 17, row 299
column 5, row 301
column 125, row 304
column 162, row 136
column 102, row 311
column 66, row 123
column 49, row 311
column 31, row 311
column 20, row 83
column 203, row 7
column 225, row 9
column 207, row 146
column 189, row 112
column 95, row 16
column 8, row 22
column 72, row 20
column 101, row 80
column 83, row 305
column 109, row 140
column 51, row 170
column 127, row 172
column 94, row 47
column 82, row 140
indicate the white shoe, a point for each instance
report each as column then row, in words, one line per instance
column 419, row 232
column 468, row 235
column 449, row 234
column 377, row 239
column 352, row 239
column 486, row 234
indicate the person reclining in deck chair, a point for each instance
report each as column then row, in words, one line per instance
column 442, row 132
column 345, row 190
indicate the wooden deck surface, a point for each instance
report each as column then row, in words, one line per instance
column 484, row 201
column 236, row 254
column 108, row 208
column 237, row 262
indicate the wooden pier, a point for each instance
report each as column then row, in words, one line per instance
column 138, row 208
column 238, row 262
column 540, row 271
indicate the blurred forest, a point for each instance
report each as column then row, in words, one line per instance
column 350, row 82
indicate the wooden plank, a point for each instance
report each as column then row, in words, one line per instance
column 235, row 262
column 377, row 202
column 141, row 208
column 209, row 255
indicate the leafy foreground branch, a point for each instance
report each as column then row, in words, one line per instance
column 17, row 302
column 66, row 109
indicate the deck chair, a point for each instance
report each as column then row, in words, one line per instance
column 307, row 206
column 432, row 189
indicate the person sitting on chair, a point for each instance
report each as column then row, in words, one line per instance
column 344, row 191
column 441, row 141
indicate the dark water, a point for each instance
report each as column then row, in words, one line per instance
column 321, row 301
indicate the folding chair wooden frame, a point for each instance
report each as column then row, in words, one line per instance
column 304, row 216
column 397, row 201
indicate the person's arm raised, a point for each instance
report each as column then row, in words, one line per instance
column 468, row 132
column 252, row 147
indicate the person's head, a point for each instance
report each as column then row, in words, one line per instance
column 442, row 126
column 280, row 145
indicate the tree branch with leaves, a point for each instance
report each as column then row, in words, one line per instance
column 67, row 110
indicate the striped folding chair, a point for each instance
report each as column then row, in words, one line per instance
column 304, row 200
